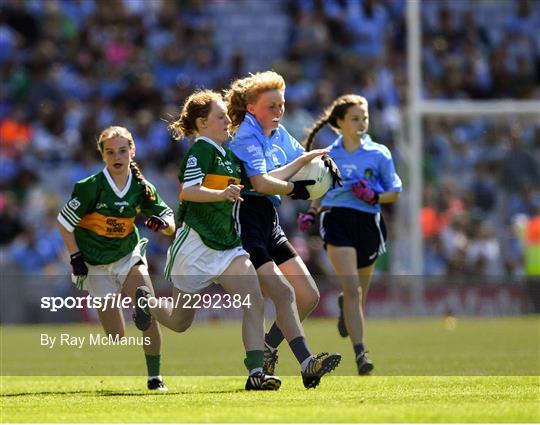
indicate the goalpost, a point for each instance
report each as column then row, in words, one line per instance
column 418, row 108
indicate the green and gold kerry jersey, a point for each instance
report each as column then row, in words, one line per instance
column 103, row 217
column 212, row 166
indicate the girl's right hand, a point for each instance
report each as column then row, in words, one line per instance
column 80, row 269
column 232, row 193
column 308, row 156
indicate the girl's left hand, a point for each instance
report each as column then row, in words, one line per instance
column 362, row 191
column 308, row 156
column 334, row 171
column 156, row 223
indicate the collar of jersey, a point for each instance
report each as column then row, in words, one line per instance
column 113, row 186
column 207, row 140
column 255, row 124
column 366, row 141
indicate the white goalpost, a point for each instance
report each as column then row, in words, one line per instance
column 412, row 261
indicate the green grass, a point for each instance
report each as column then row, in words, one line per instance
column 417, row 363
column 220, row 399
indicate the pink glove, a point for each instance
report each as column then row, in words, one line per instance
column 362, row 191
column 305, row 221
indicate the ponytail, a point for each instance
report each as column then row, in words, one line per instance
column 140, row 178
column 197, row 105
column 314, row 130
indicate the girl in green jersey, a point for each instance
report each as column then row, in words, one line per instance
column 107, row 254
column 207, row 246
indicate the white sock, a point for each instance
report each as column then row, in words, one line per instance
column 305, row 363
column 155, row 377
column 272, row 349
column 256, row 370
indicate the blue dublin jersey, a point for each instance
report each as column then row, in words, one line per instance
column 372, row 162
column 261, row 154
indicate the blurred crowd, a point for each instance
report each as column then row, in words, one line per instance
column 70, row 68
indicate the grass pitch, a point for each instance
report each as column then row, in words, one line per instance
column 427, row 370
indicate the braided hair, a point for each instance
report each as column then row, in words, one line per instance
column 197, row 105
column 117, row 131
column 245, row 91
column 336, row 111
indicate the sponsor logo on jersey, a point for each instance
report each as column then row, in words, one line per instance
column 115, row 227
column 110, row 227
column 74, row 203
column 192, row 161
column 254, row 149
column 278, row 155
column 368, row 173
column 100, row 205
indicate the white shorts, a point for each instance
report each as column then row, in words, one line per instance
column 109, row 278
column 192, row 266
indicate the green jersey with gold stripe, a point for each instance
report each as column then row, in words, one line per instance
column 102, row 217
column 212, row 166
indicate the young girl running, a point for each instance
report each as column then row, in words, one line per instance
column 107, row 253
column 207, row 247
column 271, row 156
column 351, row 225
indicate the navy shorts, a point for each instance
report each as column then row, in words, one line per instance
column 365, row 232
column 262, row 237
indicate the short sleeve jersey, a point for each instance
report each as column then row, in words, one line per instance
column 214, row 167
column 372, row 162
column 261, row 154
column 103, row 217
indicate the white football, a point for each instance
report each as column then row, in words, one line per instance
column 315, row 170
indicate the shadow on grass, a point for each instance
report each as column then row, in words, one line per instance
column 113, row 393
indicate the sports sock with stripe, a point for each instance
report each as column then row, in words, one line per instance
column 254, row 361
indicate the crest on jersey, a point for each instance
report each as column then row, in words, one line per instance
column 192, row 161
column 74, row 203
column 368, row 173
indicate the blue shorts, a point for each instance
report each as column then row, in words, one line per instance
column 365, row 232
column 262, row 237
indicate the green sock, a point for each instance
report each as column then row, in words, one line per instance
column 152, row 364
column 254, row 360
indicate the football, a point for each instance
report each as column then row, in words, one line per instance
column 315, row 170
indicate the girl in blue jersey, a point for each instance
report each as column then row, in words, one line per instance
column 351, row 223
column 271, row 156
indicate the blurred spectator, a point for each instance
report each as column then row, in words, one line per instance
column 70, row 68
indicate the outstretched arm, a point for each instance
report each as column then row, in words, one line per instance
column 289, row 170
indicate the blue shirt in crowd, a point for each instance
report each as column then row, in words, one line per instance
column 372, row 162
